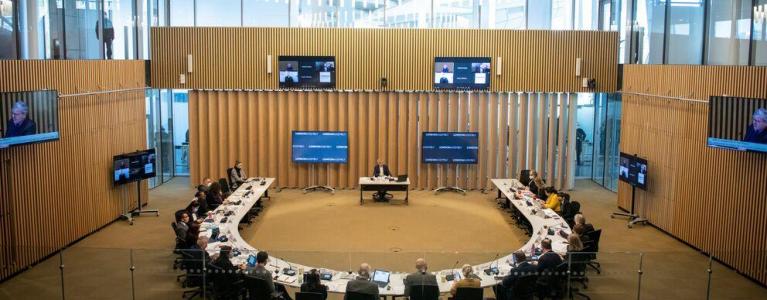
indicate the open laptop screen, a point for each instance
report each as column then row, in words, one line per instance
column 381, row 276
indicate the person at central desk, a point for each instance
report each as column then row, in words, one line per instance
column 380, row 170
column 362, row 284
column 419, row 277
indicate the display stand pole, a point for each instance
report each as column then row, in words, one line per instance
column 633, row 218
column 449, row 188
column 314, row 188
column 139, row 210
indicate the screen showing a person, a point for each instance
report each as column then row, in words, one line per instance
column 462, row 73
column 134, row 166
column 28, row 117
column 331, row 147
column 737, row 123
column 633, row 170
column 307, row 71
column 449, row 147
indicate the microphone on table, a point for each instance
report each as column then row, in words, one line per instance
column 490, row 270
column 289, row 270
column 451, row 276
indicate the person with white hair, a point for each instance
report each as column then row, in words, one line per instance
column 757, row 131
column 469, row 280
column 19, row 124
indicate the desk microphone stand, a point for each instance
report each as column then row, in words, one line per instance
column 633, row 218
column 318, row 187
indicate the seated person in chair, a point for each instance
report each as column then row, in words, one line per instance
column 214, row 196
column 259, row 271
column 420, row 276
column 362, row 284
column 552, row 200
column 313, row 284
column 581, row 220
column 237, row 175
column 521, row 269
column 548, row 260
column 223, row 261
column 469, row 280
column 380, row 170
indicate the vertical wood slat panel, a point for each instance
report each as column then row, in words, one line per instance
column 570, row 157
column 492, row 150
column 541, row 132
column 523, row 131
column 513, row 138
column 536, row 60
column 671, row 134
column 387, row 116
column 553, row 102
column 81, row 160
column 503, row 135
column 561, row 155
column 452, row 125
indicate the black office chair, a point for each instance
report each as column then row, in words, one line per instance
column 224, row 187
column 467, row 293
column 424, row 292
column 358, row 296
column 256, row 288
column 231, row 184
column 578, row 262
column 195, row 273
column 309, row 296
column 524, row 177
column 573, row 208
column 593, row 247
column 226, row 285
column 180, row 244
column 523, row 288
column 550, row 282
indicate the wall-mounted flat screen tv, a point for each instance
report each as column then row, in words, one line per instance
column 28, row 117
column 449, row 147
column 329, row 147
column 737, row 123
column 310, row 72
column 135, row 166
column 462, row 73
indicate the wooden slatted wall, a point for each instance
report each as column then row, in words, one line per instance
column 710, row 198
column 54, row 193
column 236, row 58
column 255, row 127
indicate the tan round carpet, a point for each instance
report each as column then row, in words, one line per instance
column 332, row 230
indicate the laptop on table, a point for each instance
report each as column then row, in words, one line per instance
column 381, row 278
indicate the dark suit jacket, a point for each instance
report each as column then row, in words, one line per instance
column 550, row 260
column 418, row 278
column 755, row 137
column 385, row 169
column 26, row 127
column 522, row 269
column 362, row 286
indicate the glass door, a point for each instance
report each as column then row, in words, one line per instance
column 8, row 30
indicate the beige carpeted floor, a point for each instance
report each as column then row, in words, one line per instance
column 334, row 231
